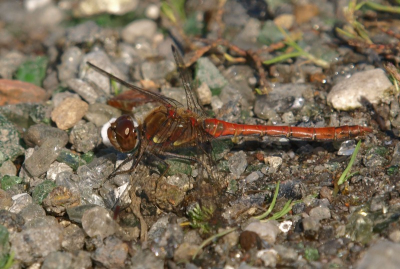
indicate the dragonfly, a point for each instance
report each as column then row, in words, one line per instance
column 173, row 125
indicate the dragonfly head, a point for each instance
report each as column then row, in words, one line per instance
column 124, row 133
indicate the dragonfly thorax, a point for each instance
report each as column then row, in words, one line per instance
column 124, row 133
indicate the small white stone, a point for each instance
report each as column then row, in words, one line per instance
column 152, row 12
column 204, row 94
column 268, row 231
column 371, row 86
column 144, row 27
column 273, row 161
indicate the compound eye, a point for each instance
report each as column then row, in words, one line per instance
column 123, row 132
column 124, row 127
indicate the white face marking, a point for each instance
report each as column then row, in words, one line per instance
column 127, row 131
column 104, row 129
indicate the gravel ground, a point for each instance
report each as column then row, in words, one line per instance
column 252, row 202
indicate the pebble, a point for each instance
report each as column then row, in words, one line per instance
column 99, row 80
column 56, row 168
column 171, row 238
column 157, row 70
column 70, row 60
column 247, row 37
column 269, row 257
column 5, row 200
column 268, row 231
column 75, row 214
column 139, row 28
column 13, row 222
column 59, row 199
column 95, row 173
column 33, row 244
column 43, row 157
column 383, row 254
column 146, row 259
column 395, row 236
column 249, row 240
column 311, row 226
column 192, row 237
column 204, row 94
column 326, row 192
column 84, row 89
column 285, row 21
column 65, row 260
column 185, row 252
column 48, row 16
column 58, row 98
column 237, row 163
column 112, row 254
column 320, row 213
column 378, row 203
column 231, row 239
column 158, row 228
column 9, row 63
column 371, row 85
column 331, row 247
column 98, row 221
column 73, row 238
column 16, row 92
column 69, row 112
column 8, row 169
column 9, row 141
column 20, row 201
column 41, row 190
column 84, row 136
column 274, row 161
column 280, row 100
column 208, row 73
column 100, row 114
column 12, row 184
column 375, row 157
column 347, row 148
column 152, row 11
column 286, row 254
column 87, row 8
column 38, row 133
column 305, row 12
column 169, row 196
column 292, row 189
column 32, row 211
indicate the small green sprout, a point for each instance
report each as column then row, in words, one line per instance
column 299, row 52
column 286, row 208
column 200, row 217
column 345, row 175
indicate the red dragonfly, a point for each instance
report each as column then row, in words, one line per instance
column 172, row 125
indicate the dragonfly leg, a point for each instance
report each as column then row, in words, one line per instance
column 130, row 170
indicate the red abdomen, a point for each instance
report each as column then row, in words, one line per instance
column 218, row 128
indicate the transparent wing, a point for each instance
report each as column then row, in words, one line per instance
column 156, row 96
column 191, row 96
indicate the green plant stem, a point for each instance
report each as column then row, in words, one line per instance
column 283, row 57
column 312, row 58
column 345, row 173
column 283, row 212
column 212, row 238
column 344, row 176
column 272, row 205
column 379, row 7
